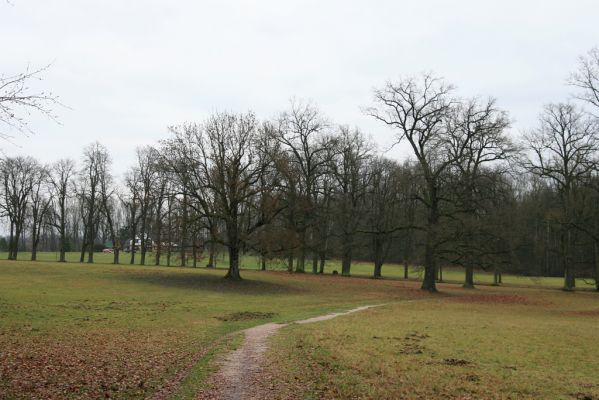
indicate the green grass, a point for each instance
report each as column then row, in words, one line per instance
column 359, row 268
column 495, row 343
column 122, row 331
column 70, row 330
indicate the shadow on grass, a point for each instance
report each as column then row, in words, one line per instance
column 206, row 282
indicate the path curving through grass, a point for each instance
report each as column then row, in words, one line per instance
column 240, row 371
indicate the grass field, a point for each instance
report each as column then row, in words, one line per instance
column 359, row 268
column 498, row 343
column 103, row 331
column 95, row 331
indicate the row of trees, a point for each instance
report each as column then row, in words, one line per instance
column 301, row 189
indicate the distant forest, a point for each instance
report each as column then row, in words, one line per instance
column 303, row 190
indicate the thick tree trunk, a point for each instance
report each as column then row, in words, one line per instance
column 290, row 263
column 168, row 255
column 346, row 263
column 11, row 240
column 233, row 272
column 315, row 264
column 496, row 277
column 430, row 258
column 211, row 258
column 158, row 239
column 194, row 252
column 263, row 262
column 62, row 256
column 469, row 277
column 132, row 248
column 116, row 254
column 378, row 266
column 90, row 239
column 430, row 248
column 83, row 244
column 322, row 263
column 301, row 262
column 569, row 277
column 184, row 232
column 142, row 258
column 596, row 248
column 439, row 273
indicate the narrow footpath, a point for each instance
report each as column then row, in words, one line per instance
column 240, row 371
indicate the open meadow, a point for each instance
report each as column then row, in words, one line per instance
column 101, row 331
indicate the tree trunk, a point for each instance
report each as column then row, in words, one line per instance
column 158, row 239
column 430, row 258
column 322, row 263
column 62, row 257
column 263, row 262
column 11, row 240
column 496, row 277
column 315, row 264
column 132, row 247
column 211, row 259
column 469, row 277
column 405, row 269
column 184, row 231
column 83, row 244
column 142, row 258
column 346, row 263
column 301, row 262
column 596, row 248
column 233, row 272
column 378, row 266
column 194, row 252
column 168, row 255
column 430, row 248
column 116, row 254
column 290, row 263
column 569, row 277
column 439, row 273
column 90, row 240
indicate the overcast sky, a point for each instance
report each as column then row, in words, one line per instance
column 129, row 69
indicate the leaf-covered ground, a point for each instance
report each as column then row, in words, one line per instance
column 80, row 331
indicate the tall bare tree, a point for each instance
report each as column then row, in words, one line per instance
column 480, row 145
column 418, row 110
column 563, row 152
column 350, row 172
column 300, row 134
column 61, row 176
column 217, row 163
column 40, row 200
column 17, row 174
column 95, row 160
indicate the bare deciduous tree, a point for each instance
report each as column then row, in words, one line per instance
column 418, row 112
column 17, row 101
column 564, row 150
column 217, row 162
column 61, row 176
column 17, row 174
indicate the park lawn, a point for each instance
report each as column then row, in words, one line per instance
column 103, row 331
column 359, row 268
column 489, row 343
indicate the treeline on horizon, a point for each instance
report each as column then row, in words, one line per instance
column 303, row 190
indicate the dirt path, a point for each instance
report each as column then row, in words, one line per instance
column 239, row 371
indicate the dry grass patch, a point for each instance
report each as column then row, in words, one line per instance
column 446, row 349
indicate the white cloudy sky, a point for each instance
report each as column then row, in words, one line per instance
column 128, row 69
